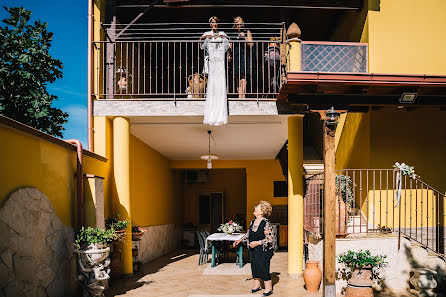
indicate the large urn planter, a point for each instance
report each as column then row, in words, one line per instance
column 361, row 269
column 360, row 283
column 312, row 276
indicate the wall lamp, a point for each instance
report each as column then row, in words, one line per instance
column 331, row 119
column 408, row 98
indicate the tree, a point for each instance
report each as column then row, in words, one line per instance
column 26, row 67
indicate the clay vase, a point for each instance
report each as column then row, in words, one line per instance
column 312, row 276
column 341, row 218
column 360, row 284
column 197, row 83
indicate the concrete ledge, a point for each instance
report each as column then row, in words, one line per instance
column 180, row 108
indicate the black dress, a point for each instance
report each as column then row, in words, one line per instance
column 244, row 57
column 261, row 255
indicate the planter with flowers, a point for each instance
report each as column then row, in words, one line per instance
column 230, row 227
column 118, row 225
column 361, row 269
column 137, row 231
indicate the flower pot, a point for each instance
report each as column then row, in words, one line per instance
column 341, row 217
column 137, row 235
column 360, row 284
column 312, row 276
column 93, row 254
column 120, row 234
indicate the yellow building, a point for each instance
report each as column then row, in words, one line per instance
column 147, row 138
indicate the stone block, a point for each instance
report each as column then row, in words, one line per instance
column 45, row 205
column 57, row 224
column 34, row 193
column 25, row 268
column 7, row 258
column 25, row 248
column 44, row 225
column 45, row 275
column 12, row 214
column 4, row 275
column 56, row 288
column 14, row 290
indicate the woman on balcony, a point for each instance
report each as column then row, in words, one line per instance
column 260, row 240
column 216, row 44
column 243, row 55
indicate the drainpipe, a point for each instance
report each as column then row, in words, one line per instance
column 79, row 181
column 89, row 75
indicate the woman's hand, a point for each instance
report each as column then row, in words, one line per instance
column 236, row 243
column 253, row 244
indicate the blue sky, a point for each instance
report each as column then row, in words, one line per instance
column 67, row 19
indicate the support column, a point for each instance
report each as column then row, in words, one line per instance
column 121, row 168
column 329, row 282
column 295, row 197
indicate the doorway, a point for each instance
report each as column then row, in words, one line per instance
column 211, row 210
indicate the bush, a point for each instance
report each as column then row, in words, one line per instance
column 89, row 235
column 362, row 259
column 116, row 224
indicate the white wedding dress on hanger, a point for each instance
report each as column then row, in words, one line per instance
column 216, row 109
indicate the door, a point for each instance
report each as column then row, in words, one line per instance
column 210, row 210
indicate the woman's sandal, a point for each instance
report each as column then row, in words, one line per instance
column 256, row 290
column 269, row 293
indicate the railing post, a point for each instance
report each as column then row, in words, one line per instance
column 441, row 224
column 293, row 51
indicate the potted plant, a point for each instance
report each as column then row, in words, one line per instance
column 92, row 247
column 137, row 231
column 344, row 204
column 361, row 269
column 118, row 225
column 230, row 227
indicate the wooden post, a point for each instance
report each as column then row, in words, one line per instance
column 329, row 260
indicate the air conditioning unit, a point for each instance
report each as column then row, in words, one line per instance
column 195, row 176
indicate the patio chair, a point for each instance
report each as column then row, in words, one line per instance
column 203, row 251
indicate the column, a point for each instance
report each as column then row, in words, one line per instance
column 295, row 197
column 121, row 168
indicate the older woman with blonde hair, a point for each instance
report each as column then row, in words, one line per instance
column 260, row 241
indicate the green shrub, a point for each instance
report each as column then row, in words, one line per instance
column 89, row 235
column 362, row 259
column 116, row 224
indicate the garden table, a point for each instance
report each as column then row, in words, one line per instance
column 225, row 237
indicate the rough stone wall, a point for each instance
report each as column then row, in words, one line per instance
column 159, row 240
column 36, row 248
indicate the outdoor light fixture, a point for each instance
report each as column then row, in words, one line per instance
column 331, row 118
column 209, row 157
column 408, row 98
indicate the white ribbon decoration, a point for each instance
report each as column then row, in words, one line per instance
column 401, row 169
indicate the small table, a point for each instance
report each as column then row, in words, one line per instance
column 226, row 237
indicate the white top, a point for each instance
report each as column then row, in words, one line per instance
column 223, row 237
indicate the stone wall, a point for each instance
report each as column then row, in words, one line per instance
column 159, row 240
column 35, row 248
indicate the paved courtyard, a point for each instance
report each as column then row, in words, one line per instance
column 177, row 274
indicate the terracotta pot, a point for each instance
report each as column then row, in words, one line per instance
column 120, row 235
column 137, row 235
column 360, row 284
column 197, row 83
column 341, row 217
column 312, row 276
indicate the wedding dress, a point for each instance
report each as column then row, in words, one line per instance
column 215, row 110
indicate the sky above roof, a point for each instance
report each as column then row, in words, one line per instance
column 67, row 19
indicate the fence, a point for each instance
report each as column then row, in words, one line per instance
column 371, row 200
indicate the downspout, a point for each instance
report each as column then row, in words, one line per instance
column 79, row 182
column 89, row 76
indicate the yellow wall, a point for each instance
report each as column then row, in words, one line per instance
column 232, row 182
column 353, row 149
column 260, row 175
column 30, row 161
column 407, row 36
column 153, row 188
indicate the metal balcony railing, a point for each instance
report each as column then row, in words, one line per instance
column 165, row 61
column 367, row 202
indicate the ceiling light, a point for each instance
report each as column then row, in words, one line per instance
column 408, row 98
column 209, row 157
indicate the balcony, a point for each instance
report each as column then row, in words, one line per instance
column 165, row 62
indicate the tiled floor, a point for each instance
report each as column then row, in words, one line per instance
column 178, row 275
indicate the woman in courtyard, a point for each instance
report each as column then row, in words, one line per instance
column 260, row 241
